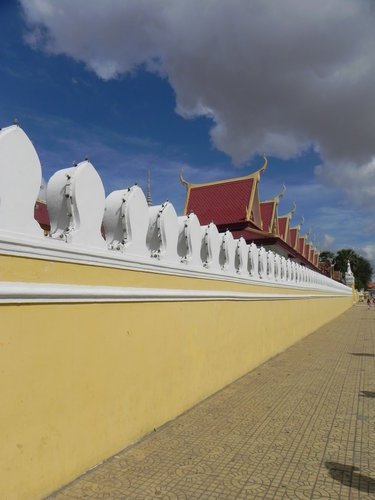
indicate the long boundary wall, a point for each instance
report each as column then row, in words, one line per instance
column 101, row 341
column 82, row 379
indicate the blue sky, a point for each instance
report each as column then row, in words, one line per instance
column 126, row 122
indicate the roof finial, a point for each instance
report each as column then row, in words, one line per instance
column 294, row 207
column 283, row 191
column 148, row 197
column 302, row 221
column 185, row 183
column 264, row 166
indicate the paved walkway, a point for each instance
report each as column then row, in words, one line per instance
column 300, row 426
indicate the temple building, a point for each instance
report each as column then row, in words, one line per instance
column 235, row 204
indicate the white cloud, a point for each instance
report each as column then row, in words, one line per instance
column 328, row 241
column 358, row 182
column 274, row 77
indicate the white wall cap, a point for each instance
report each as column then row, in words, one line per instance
column 253, row 264
column 189, row 240
column 210, row 249
column 242, row 257
column 20, row 179
column 126, row 220
column 262, row 269
column 227, row 252
column 162, row 235
column 76, row 201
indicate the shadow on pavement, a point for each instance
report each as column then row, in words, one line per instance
column 371, row 355
column 348, row 477
column 368, row 394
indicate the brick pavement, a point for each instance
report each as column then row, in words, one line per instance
column 300, row 426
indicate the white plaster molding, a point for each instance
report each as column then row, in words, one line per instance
column 75, row 198
column 76, row 201
column 18, row 292
column 53, row 250
column 262, row 263
column 254, row 261
column 283, row 269
column 20, row 180
column 227, row 252
column 162, row 235
column 210, row 249
column 190, row 240
column 277, row 267
column 126, row 220
column 241, row 257
column 270, row 265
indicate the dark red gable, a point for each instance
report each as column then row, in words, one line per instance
column 221, row 203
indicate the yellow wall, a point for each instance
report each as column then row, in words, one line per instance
column 79, row 382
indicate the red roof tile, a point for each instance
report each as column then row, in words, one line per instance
column 306, row 251
column 248, row 235
column 266, row 212
column 301, row 245
column 311, row 256
column 293, row 236
column 282, row 225
column 221, row 203
column 41, row 214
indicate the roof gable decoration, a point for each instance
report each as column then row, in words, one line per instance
column 269, row 213
column 294, row 234
column 227, row 201
column 284, row 224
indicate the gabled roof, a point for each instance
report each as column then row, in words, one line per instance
column 283, row 222
column 224, row 202
column 283, row 226
column 301, row 244
column 293, row 236
column 306, row 251
column 268, row 210
column 312, row 252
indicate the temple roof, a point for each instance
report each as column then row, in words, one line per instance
column 283, row 222
column 282, row 226
column 268, row 210
column 293, row 236
column 224, row 202
column 234, row 204
column 41, row 214
column 301, row 244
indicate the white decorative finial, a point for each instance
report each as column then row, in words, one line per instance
column 148, row 197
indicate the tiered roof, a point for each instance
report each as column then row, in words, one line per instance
column 227, row 202
column 234, row 204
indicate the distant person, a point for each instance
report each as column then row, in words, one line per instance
column 368, row 302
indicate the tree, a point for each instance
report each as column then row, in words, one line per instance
column 361, row 267
column 326, row 257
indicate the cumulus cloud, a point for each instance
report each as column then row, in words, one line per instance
column 357, row 181
column 274, row 77
column 328, row 241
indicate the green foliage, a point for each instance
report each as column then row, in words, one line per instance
column 361, row 267
column 326, row 257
